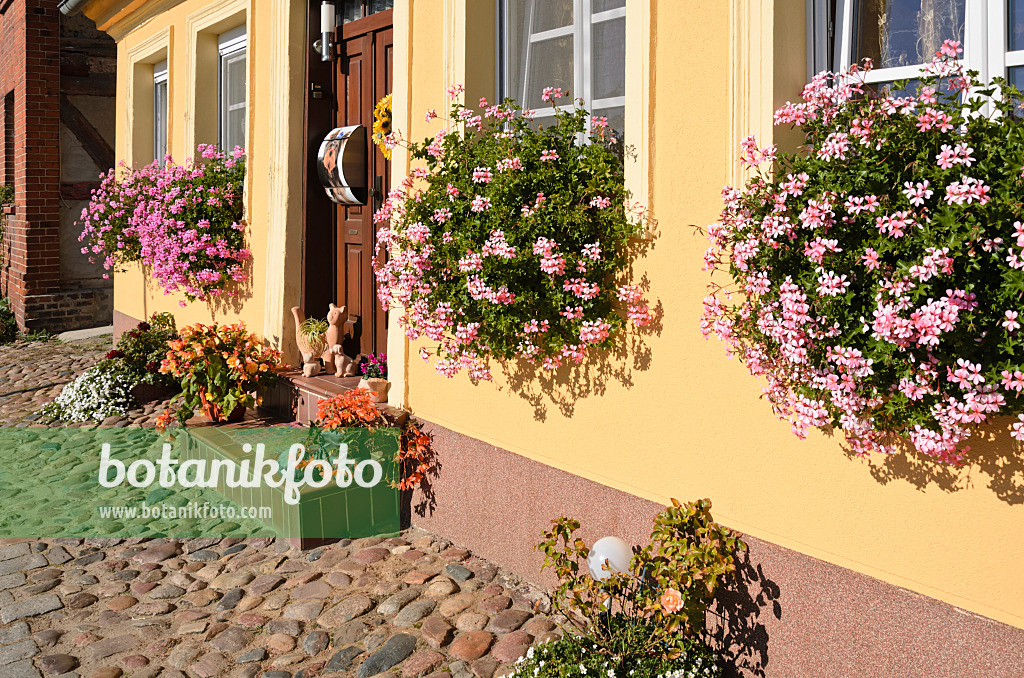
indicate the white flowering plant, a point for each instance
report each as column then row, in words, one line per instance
column 511, row 241
column 102, row 391
column 875, row 277
column 573, row 656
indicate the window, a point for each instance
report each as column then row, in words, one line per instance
column 233, row 88
column 577, row 45
column 160, row 112
column 350, row 10
column 901, row 35
column 1013, row 57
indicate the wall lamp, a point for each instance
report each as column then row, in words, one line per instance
column 328, row 23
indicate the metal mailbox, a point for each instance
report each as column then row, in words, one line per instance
column 341, row 164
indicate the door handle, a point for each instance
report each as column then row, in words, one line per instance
column 378, row 192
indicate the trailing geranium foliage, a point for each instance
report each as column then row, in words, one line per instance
column 511, row 242
column 185, row 221
column 880, row 268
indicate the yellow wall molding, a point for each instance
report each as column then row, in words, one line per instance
column 401, row 111
column 138, row 119
column 750, row 78
column 118, row 18
column 281, row 102
column 201, row 67
column 640, row 56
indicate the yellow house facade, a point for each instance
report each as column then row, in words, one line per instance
column 888, row 566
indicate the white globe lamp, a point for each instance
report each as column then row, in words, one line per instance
column 611, row 550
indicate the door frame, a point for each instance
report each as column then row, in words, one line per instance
column 320, row 266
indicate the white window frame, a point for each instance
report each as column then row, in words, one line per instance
column 986, row 42
column 1000, row 58
column 161, row 91
column 580, row 30
column 232, row 46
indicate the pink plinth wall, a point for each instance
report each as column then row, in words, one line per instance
column 794, row 616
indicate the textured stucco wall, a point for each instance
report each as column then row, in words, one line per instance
column 675, row 417
column 184, row 34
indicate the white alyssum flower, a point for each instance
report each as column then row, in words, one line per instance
column 95, row 395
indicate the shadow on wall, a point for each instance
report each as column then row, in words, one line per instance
column 630, row 353
column 734, row 622
column 995, row 460
column 226, row 305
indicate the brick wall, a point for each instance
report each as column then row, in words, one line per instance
column 30, row 79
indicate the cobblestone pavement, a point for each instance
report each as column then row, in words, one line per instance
column 226, row 608
column 33, row 373
column 413, row 605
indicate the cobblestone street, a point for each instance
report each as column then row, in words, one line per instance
column 211, row 607
column 33, row 373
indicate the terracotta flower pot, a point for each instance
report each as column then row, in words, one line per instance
column 215, row 414
column 378, row 387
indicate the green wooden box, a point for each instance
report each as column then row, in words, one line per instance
column 321, row 514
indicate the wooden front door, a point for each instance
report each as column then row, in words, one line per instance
column 365, row 49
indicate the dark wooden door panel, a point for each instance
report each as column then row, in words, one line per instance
column 364, row 77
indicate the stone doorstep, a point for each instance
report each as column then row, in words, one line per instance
column 324, row 386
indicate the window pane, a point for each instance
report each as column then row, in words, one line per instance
column 381, row 5
column 351, row 10
column 1015, row 15
column 550, row 65
column 605, row 5
column 236, row 79
column 548, row 14
column 905, row 32
column 1016, row 77
column 160, row 121
column 911, row 90
column 608, row 58
column 235, row 129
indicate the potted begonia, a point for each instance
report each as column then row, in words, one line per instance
column 222, row 370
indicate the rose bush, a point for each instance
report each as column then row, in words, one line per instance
column 510, row 243
column 879, row 270
column 649, row 618
column 183, row 221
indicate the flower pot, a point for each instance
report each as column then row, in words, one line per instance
column 377, row 387
column 215, row 414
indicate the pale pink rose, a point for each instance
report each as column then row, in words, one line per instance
column 671, row 601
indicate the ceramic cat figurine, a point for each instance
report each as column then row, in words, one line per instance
column 334, row 360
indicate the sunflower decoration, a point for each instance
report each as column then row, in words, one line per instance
column 382, row 125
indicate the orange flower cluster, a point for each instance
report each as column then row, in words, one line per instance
column 202, row 347
column 219, row 367
column 349, row 408
column 356, row 408
column 416, row 457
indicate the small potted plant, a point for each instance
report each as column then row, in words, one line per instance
column 312, row 342
column 375, row 376
column 222, row 369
